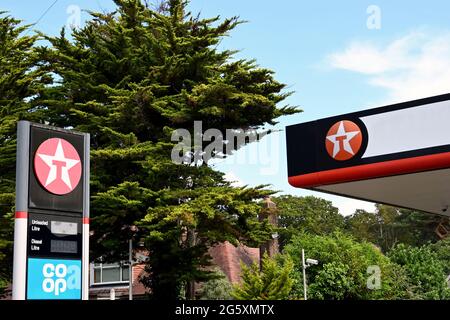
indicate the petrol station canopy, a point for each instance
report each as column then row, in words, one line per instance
column 397, row 155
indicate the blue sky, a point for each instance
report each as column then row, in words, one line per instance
column 323, row 50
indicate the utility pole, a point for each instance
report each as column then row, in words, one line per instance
column 130, row 270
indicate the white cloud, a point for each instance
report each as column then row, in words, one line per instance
column 234, row 179
column 369, row 60
column 414, row 66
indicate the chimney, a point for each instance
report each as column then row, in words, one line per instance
column 269, row 211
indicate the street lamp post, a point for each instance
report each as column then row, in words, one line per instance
column 305, row 264
column 304, row 274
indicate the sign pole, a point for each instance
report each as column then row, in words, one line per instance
column 86, row 213
column 21, row 216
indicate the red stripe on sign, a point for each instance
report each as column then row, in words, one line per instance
column 373, row 170
column 21, row 215
column 85, row 220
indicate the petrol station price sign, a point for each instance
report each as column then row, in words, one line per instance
column 52, row 213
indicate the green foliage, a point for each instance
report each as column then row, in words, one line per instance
column 424, row 270
column 217, row 289
column 389, row 226
column 272, row 282
column 335, row 278
column 363, row 225
column 442, row 251
column 416, row 228
column 130, row 78
column 342, row 272
column 306, row 214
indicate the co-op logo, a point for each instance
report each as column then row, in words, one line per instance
column 59, row 278
column 53, row 279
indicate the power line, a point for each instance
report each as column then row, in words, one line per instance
column 100, row 7
column 45, row 12
column 42, row 15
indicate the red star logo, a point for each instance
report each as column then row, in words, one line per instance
column 57, row 166
column 343, row 141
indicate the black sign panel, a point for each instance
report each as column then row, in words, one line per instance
column 306, row 142
column 39, row 195
column 52, row 236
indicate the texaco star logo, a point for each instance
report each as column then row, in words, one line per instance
column 57, row 166
column 343, row 141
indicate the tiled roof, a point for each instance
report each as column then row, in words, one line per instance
column 228, row 258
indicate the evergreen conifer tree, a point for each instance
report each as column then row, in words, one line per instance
column 21, row 79
column 130, row 78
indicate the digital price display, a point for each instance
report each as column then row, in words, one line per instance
column 54, row 236
column 61, row 246
column 65, row 228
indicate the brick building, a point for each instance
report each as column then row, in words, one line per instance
column 112, row 280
